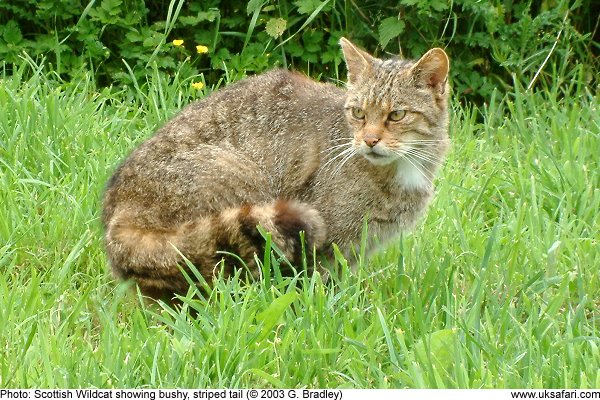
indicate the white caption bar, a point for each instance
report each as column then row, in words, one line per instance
column 284, row 394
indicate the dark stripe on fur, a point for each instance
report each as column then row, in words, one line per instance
column 289, row 223
column 248, row 225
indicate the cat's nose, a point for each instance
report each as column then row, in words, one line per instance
column 371, row 139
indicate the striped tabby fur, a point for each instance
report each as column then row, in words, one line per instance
column 286, row 153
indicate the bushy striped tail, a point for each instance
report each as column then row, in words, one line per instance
column 148, row 255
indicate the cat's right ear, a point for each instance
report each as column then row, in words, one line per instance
column 432, row 69
column 358, row 61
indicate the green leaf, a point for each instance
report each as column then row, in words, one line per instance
column 389, row 29
column 307, row 6
column 438, row 349
column 313, row 41
column 275, row 27
column 273, row 381
column 254, row 6
column 209, row 15
column 271, row 315
column 12, row 33
column 439, row 5
column 189, row 20
column 155, row 39
column 388, row 338
column 134, row 36
column 112, row 7
column 310, row 18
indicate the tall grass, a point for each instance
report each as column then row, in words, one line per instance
column 497, row 287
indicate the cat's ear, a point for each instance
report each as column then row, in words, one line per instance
column 358, row 61
column 432, row 69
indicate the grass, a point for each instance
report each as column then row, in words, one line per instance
column 497, row 287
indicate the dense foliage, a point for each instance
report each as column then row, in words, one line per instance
column 120, row 40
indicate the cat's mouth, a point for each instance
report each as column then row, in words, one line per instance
column 374, row 155
column 377, row 156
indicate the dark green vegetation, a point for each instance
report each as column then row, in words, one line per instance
column 120, row 40
column 497, row 287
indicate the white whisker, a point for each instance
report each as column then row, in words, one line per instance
column 423, row 160
column 424, row 150
column 430, row 140
column 424, row 156
column 419, row 168
column 341, row 154
column 424, row 142
column 344, row 161
column 337, row 146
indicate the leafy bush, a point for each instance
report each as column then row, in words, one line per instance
column 119, row 40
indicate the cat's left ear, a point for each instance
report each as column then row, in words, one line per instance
column 432, row 69
column 358, row 61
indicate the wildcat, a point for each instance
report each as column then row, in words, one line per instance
column 284, row 152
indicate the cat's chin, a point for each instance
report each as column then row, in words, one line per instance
column 379, row 156
column 379, row 159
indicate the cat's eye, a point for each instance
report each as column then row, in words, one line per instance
column 358, row 113
column 397, row 115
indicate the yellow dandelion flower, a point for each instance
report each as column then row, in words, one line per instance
column 177, row 42
column 197, row 85
column 201, row 49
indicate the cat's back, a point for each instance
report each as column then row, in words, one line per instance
column 277, row 99
column 276, row 87
column 276, row 119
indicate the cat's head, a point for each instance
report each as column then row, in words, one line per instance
column 396, row 107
